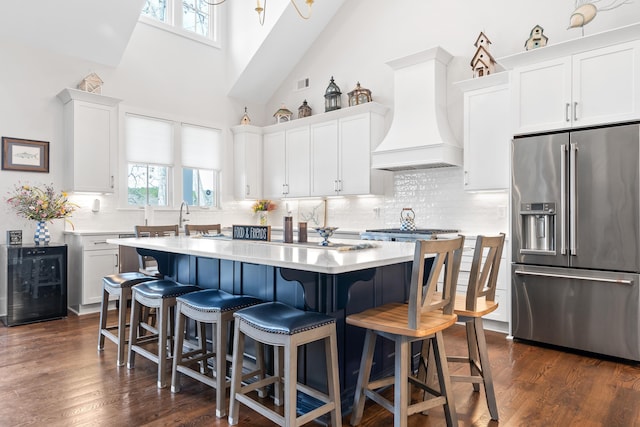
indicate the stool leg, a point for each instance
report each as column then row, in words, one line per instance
column 134, row 326
column 220, row 337
column 262, row 392
column 122, row 323
column 401, row 389
column 290, row 383
column 164, row 324
column 444, row 379
column 472, row 346
column 333, row 384
column 486, row 368
column 236, row 373
column 363, row 377
column 278, row 372
column 177, row 353
column 104, row 305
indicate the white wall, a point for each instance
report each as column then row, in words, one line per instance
column 174, row 76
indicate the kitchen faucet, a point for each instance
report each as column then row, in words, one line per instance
column 181, row 219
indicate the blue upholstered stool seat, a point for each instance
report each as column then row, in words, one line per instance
column 163, row 289
column 279, row 318
column 118, row 285
column 126, row 280
column 207, row 307
column 214, row 300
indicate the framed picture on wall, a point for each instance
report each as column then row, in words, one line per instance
column 25, row 155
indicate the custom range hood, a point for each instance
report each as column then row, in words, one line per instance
column 419, row 136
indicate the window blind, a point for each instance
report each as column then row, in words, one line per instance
column 148, row 140
column 201, row 147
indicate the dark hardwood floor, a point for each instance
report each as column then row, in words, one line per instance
column 52, row 375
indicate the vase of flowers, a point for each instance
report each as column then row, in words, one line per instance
column 262, row 208
column 41, row 204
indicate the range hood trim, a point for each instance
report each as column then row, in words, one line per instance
column 419, row 136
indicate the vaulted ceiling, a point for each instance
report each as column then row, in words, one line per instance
column 99, row 31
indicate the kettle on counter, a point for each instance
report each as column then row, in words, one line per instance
column 407, row 219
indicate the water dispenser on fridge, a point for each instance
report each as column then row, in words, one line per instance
column 538, row 228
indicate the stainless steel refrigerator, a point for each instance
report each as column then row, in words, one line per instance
column 576, row 239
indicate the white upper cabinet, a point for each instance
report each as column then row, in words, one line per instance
column 487, row 132
column 286, row 163
column 247, row 158
column 588, row 81
column 90, row 133
column 324, row 155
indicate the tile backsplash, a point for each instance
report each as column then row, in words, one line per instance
column 436, row 196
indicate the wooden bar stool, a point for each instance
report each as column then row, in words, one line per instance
column 479, row 301
column 148, row 265
column 215, row 307
column 160, row 295
column 426, row 315
column 286, row 328
column 120, row 286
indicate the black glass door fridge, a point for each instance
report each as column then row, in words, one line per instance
column 33, row 283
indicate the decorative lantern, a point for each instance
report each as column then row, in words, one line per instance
column 332, row 97
column 245, row 118
column 304, row 110
column 283, row 115
column 359, row 96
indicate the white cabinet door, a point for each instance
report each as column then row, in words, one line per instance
column 355, row 155
column 91, row 136
column 298, row 162
column 542, row 96
column 247, row 158
column 486, row 138
column 96, row 265
column 273, row 169
column 594, row 87
column 324, row 158
column 606, row 85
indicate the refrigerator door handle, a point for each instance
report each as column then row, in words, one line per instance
column 563, row 198
column 570, row 276
column 573, row 247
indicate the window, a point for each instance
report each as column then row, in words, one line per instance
column 195, row 17
column 151, row 157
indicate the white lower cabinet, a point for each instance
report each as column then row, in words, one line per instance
column 90, row 259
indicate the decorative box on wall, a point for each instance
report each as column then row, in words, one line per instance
column 91, row 132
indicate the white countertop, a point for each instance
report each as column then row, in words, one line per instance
column 307, row 257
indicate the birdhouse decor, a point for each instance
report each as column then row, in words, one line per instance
column 536, row 38
column 304, row 110
column 482, row 62
column 245, row 118
column 359, row 95
column 92, row 83
column 332, row 97
column 283, row 115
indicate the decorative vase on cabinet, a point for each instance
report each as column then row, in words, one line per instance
column 42, row 235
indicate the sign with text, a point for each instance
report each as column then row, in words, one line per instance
column 252, row 232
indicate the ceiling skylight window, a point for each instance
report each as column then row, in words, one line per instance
column 192, row 18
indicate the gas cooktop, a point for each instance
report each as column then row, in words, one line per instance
column 398, row 235
column 416, row 231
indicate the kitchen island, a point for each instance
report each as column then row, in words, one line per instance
column 337, row 281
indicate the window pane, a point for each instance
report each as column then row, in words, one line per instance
column 196, row 16
column 156, row 9
column 147, row 185
column 200, row 187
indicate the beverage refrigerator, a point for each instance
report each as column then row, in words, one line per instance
column 576, row 239
column 33, row 283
